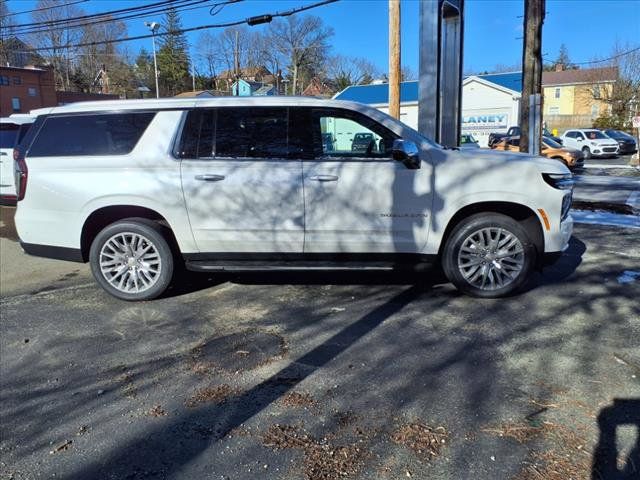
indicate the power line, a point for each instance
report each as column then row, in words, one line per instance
column 192, row 4
column 43, row 8
column 607, row 59
column 94, row 15
column 185, row 30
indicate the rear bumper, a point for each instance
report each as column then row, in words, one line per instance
column 57, row 253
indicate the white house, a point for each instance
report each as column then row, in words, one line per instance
column 490, row 103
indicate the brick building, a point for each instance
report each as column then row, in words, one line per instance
column 24, row 89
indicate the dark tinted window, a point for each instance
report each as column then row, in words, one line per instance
column 197, row 135
column 107, row 134
column 251, row 132
column 24, row 128
column 344, row 133
column 571, row 134
column 8, row 135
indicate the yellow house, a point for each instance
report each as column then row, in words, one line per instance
column 578, row 92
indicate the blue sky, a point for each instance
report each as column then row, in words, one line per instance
column 589, row 28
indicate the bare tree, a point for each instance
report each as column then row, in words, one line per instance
column 303, row 42
column 408, row 74
column 53, row 36
column 345, row 71
column 208, row 53
column 623, row 95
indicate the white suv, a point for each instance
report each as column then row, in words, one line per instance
column 593, row 143
column 140, row 187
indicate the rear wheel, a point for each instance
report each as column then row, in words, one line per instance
column 586, row 153
column 132, row 260
column 488, row 255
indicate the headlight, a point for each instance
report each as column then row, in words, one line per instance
column 593, row 143
column 560, row 181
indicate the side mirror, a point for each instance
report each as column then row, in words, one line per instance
column 407, row 152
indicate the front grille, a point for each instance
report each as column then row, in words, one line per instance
column 609, row 149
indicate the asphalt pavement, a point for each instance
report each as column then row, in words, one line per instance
column 325, row 376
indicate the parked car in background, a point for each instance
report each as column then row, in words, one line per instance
column 363, row 142
column 467, row 141
column 12, row 130
column 139, row 188
column 515, row 132
column 572, row 158
column 627, row 144
column 591, row 142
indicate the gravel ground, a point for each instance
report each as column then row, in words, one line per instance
column 325, row 376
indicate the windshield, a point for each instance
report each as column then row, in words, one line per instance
column 8, row 135
column 595, row 134
column 551, row 143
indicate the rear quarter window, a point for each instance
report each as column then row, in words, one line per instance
column 8, row 135
column 78, row 135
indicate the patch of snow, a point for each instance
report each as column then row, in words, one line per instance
column 628, row 276
column 605, row 218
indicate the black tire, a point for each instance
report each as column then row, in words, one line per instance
column 153, row 233
column 461, row 234
column 586, row 153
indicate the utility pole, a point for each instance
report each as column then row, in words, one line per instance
column 154, row 26
column 193, row 77
column 236, row 64
column 105, row 79
column 530, row 101
column 394, row 58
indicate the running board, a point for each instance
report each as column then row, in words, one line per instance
column 253, row 266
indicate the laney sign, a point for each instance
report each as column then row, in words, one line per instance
column 485, row 123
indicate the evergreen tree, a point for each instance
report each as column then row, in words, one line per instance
column 563, row 57
column 173, row 57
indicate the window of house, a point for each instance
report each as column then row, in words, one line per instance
column 15, row 104
column 343, row 133
column 557, row 95
column 595, row 110
column 107, row 134
column 4, row 80
column 17, row 81
column 32, row 92
column 596, row 92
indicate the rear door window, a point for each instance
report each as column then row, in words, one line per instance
column 235, row 132
column 77, row 135
column 251, row 132
column 8, row 135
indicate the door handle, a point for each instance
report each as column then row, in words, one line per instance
column 210, row 177
column 324, row 178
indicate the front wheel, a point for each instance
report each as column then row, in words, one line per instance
column 586, row 153
column 132, row 260
column 488, row 255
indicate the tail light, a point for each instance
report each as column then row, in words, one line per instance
column 21, row 173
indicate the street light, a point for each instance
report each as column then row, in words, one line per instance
column 154, row 26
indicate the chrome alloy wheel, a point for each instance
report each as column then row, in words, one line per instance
column 130, row 262
column 491, row 258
